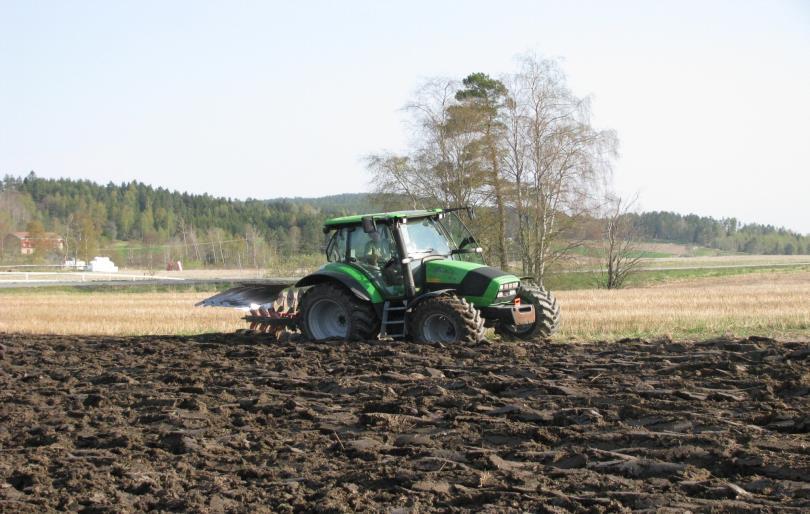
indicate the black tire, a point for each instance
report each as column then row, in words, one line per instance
column 446, row 319
column 330, row 312
column 546, row 311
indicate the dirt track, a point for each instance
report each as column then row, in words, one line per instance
column 220, row 424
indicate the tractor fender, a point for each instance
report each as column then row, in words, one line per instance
column 350, row 283
column 429, row 294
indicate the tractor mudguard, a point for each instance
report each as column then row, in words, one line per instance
column 351, row 283
column 429, row 294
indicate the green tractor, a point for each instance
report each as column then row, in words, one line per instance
column 406, row 274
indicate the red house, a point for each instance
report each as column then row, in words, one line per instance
column 23, row 243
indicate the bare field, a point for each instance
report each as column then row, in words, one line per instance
column 225, row 423
column 752, row 304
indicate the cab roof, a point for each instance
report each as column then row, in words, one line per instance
column 356, row 219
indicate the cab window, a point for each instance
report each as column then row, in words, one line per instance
column 371, row 250
column 336, row 248
column 377, row 255
column 463, row 240
column 422, row 236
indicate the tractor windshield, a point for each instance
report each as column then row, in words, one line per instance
column 423, row 236
column 464, row 243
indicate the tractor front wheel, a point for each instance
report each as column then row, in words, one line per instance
column 546, row 312
column 329, row 311
column 446, row 319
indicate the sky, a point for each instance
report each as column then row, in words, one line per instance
column 710, row 100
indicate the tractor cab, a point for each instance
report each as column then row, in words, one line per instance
column 378, row 244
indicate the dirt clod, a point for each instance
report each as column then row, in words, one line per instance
column 224, row 423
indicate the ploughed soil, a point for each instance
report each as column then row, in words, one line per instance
column 227, row 423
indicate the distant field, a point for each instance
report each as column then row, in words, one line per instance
column 591, row 251
column 669, row 277
column 581, row 272
column 727, row 260
column 763, row 303
column 649, row 259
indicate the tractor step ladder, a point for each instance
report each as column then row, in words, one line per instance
column 393, row 318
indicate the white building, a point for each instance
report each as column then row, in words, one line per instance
column 102, row 265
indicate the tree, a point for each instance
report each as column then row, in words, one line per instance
column 523, row 148
column 16, row 208
column 88, row 234
column 39, row 241
column 443, row 166
column 622, row 255
column 439, row 170
column 483, row 98
column 558, row 161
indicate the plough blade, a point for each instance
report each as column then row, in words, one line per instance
column 273, row 308
column 246, row 295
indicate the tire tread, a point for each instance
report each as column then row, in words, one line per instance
column 363, row 322
column 472, row 323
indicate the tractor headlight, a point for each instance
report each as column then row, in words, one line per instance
column 508, row 289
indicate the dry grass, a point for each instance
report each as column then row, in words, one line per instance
column 774, row 304
column 771, row 304
column 113, row 313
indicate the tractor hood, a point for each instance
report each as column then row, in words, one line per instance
column 483, row 285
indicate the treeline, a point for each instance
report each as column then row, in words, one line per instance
column 139, row 225
column 162, row 226
column 726, row 234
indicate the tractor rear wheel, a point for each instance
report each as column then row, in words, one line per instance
column 328, row 311
column 446, row 319
column 546, row 312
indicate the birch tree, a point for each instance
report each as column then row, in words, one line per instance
column 565, row 163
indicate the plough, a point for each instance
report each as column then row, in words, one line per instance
column 272, row 307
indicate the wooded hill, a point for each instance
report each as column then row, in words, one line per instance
column 726, row 234
column 142, row 225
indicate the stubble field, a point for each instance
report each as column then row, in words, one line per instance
column 769, row 304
